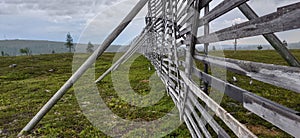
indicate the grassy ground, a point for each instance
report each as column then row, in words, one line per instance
column 282, row 96
column 285, row 97
column 26, row 88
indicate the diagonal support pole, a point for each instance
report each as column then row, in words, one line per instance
column 271, row 38
column 128, row 53
column 84, row 67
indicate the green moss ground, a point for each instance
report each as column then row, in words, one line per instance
column 26, row 88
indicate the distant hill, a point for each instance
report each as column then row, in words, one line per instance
column 12, row 47
column 248, row 47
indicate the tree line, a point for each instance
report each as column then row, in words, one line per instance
column 70, row 45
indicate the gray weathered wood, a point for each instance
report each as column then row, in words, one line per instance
column 183, row 28
column 193, row 123
column 188, row 124
column 206, row 32
column 232, row 91
column 198, row 120
column 290, row 123
column 239, row 129
column 190, row 47
column 283, row 20
column 187, row 29
column 218, row 11
column 272, row 111
column 271, row 38
column 224, row 7
column 208, row 118
column 281, row 76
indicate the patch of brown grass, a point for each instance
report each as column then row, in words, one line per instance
column 261, row 130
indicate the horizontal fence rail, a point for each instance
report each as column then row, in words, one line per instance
column 178, row 72
column 169, row 39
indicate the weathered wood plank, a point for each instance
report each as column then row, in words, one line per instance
column 206, row 32
column 180, row 6
column 290, row 123
column 219, row 10
column 181, row 14
column 265, row 108
column 184, row 31
column 188, row 124
column 168, row 60
column 239, row 129
column 257, row 104
column 281, row 76
column 187, row 29
column 174, row 93
column 271, row 38
column 283, row 20
column 230, row 90
column 195, row 11
column 187, row 114
column 185, row 20
column 200, row 122
column 207, row 117
column 204, row 3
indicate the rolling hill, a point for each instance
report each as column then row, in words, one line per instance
column 12, row 47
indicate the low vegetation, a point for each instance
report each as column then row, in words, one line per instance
column 282, row 96
column 28, row 86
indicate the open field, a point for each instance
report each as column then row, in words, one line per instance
column 287, row 98
column 26, row 88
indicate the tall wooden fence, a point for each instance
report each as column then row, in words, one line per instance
column 172, row 25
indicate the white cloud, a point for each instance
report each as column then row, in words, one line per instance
column 263, row 7
column 100, row 26
column 55, row 10
column 235, row 21
column 59, row 16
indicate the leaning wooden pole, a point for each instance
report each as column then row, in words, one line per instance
column 271, row 38
column 84, row 67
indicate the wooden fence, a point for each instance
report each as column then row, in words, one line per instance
column 172, row 25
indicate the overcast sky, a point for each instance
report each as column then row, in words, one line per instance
column 92, row 20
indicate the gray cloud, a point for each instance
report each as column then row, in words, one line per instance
column 109, row 18
column 263, row 7
column 50, row 16
column 54, row 8
column 37, row 19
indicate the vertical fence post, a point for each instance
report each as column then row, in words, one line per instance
column 190, row 47
column 206, row 32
